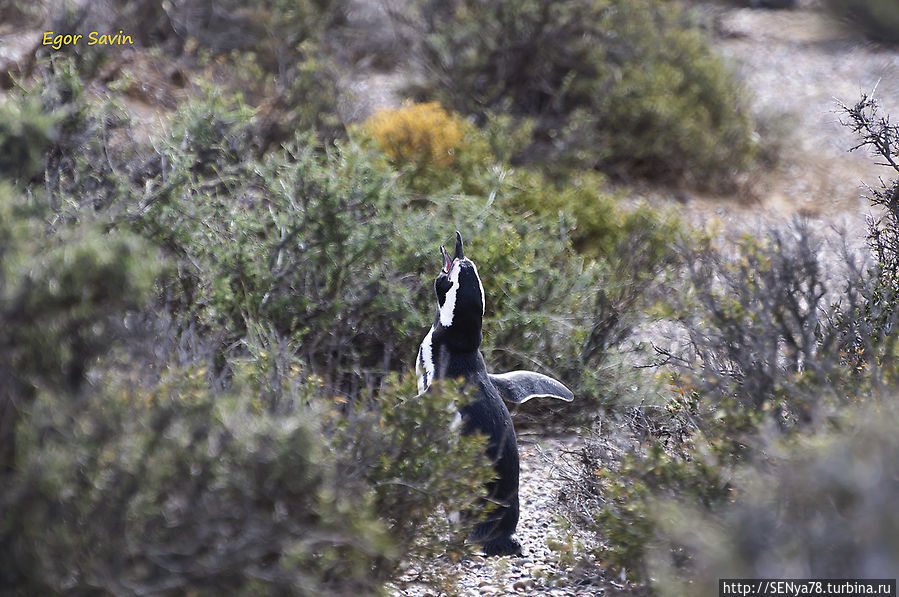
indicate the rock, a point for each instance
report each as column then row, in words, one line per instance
column 524, row 585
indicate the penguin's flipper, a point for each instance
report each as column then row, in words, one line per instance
column 517, row 387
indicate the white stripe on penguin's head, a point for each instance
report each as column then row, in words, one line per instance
column 457, row 270
column 449, row 304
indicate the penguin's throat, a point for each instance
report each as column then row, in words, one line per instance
column 463, row 336
column 467, row 365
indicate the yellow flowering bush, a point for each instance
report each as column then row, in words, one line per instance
column 417, row 134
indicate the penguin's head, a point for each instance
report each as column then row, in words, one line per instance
column 460, row 294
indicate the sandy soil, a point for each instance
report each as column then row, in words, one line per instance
column 800, row 66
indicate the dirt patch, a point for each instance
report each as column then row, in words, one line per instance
column 799, row 66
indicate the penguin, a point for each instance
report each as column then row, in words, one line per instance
column 451, row 349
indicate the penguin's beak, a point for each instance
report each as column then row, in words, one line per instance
column 460, row 254
column 447, row 262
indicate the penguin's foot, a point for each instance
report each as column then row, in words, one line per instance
column 502, row 546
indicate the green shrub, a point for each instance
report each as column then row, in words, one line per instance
column 86, row 152
column 631, row 88
column 278, row 53
column 420, row 467
column 297, row 242
column 215, row 134
column 26, row 132
column 647, row 454
column 60, row 294
column 786, row 324
column 627, row 514
column 63, row 293
column 337, row 252
column 600, row 225
column 879, row 19
column 179, row 489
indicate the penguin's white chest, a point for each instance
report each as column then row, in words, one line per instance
column 424, row 364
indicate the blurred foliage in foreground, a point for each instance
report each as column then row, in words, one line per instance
column 820, row 506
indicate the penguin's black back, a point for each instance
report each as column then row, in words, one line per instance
column 487, row 414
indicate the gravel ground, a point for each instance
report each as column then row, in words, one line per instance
column 542, row 570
